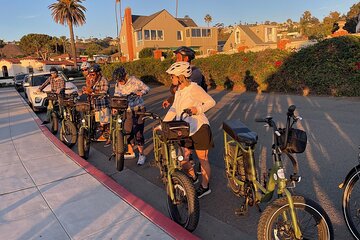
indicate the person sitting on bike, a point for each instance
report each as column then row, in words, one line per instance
column 190, row 95
column 134, row 88
column 57, row 84
column 85, row 68
column 186, row 54
column 96, row 83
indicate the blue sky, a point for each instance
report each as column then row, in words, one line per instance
column 21, row 17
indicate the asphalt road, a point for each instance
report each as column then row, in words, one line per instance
column 333, row 139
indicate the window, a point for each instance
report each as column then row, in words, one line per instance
column 153, row 35
column 139, row 35
column 147, row 34
column 237, row 37
column 123, row 39
column 200, row 32
column 187, row 32
column 160, row 35
column 179, row 35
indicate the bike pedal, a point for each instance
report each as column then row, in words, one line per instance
column 291, row 185
column 241, row 211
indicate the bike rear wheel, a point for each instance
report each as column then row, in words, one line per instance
column 54, row 123
column 314, row 223
column 351, row 204
column 185, row 209
column 119, row 150
column 84, row 143
column 68, row 133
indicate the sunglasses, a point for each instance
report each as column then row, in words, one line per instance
column 53, row 72
column 85, row 70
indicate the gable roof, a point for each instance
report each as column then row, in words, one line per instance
column 139, row 21
column 11, row 60
column 251, row 34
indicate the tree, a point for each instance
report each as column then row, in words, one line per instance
column 71, row 13
column 64, row 42
column 208, row 19
column 352, row 18
column 39, row 44
column 308, row 24
column 2, row 43
column 329, row 24
column 92, row 49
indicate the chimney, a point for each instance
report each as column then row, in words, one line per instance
column 129, row 35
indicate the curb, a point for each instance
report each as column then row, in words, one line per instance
column 164, row 223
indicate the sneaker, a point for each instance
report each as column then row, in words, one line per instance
column 141, row 160
column 128, row 155
column 45, row 122
column 200, row 192
column 195, row 180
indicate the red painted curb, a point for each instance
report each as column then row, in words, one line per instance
column 166, row 224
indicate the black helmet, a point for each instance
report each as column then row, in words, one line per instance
column 94, row 68
column 186, row 51
column 53, row 69
column 119, row 74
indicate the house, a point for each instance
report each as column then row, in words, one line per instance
column 255, row 38
column 163, row 31
column 12, row 66
column 11, row 51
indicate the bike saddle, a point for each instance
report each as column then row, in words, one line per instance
column 240, row 132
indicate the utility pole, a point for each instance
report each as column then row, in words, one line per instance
column 176, row 13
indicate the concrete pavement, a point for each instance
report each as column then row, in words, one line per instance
column 48, row 192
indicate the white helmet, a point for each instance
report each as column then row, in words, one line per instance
column 180, row 68
column 85, row 65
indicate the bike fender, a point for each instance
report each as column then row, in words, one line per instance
column 351, row 172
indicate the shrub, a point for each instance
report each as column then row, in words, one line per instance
column 146, row 53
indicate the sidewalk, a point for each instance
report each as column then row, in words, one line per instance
column 48, row 192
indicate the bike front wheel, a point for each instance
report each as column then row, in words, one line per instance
column 275, row 222
column 185, row 208
column 119, row 150
column 351, row 204
column 68, row 133
column 84, row 143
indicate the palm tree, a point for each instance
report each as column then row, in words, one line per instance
column 208, row 19
column 176, row 12
column 71, row 13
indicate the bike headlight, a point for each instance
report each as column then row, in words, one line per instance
column 280, row 173
column 119, row 120
column 38, row 99
column 180, row 158
column 83, row 120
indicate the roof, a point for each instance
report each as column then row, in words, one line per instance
column 65, row 55
column 11, row 60
column 186, row 22
column 251, row 34
column 11, row 50
column 139, row 21
column 66, row 63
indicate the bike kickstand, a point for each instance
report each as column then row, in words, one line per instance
column 258, row 207
column 112, row 155
column 243, row 209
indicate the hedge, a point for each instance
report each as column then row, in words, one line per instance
column 331, row 67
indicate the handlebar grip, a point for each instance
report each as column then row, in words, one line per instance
column 291, row 110
column 260, row 120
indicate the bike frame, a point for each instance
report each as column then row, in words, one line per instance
column 117, row 124
column 276, row 176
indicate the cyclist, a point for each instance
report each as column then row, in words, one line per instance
column 96, row 83
column 57, row 84
column 134, row 124
column 85, row 68
column 190, row 95
column 186, row 54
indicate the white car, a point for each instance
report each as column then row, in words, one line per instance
column 37, row 100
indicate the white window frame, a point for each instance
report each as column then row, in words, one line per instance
column 181, row 35
column 154, row 35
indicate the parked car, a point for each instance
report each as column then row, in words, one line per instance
column 18, row 82
column 37, row 100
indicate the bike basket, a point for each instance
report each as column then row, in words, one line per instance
column 297, row 140
column 82, row 106
column 52, row 96
column 119, row 103
column 67, row 101
column 175, row 130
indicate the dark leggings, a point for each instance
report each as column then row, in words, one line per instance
column 134, row 126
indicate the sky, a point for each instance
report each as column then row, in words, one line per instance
column 21, row 17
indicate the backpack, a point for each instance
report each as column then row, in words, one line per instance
column 202, row 82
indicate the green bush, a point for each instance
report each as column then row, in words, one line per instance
column 146, row 53
column 331, row 67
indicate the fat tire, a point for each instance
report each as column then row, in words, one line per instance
column 193, row 206
column 54, row 123
column 349, row 187
column 119, row 150
column 84, row 143
column 72, row 132
column 272, row 211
